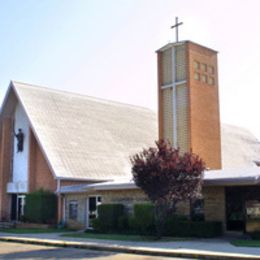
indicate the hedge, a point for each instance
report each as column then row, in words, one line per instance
column 143, row 220
column 112, row 218
column 186, row 228
column 41, row 207
column 255, row 235
column 109, row 216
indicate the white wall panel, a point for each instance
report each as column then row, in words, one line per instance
column 20, row 159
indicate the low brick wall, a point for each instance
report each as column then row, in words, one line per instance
column 125, row 197
column 214, row 203
column 33, row 225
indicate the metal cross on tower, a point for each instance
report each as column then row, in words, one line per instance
column 176, row 25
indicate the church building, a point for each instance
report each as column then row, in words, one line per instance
column 79, row 147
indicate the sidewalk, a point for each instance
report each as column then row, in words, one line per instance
column 199, row 248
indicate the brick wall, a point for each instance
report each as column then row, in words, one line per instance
column 40, row 175
column 198, row 119
column 5, row 167
column 126, row 197
column 70, row 182
column 204, row 108
column 214, row 203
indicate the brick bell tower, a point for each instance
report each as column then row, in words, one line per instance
column 188, row 100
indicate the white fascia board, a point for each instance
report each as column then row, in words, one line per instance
column 45, row 155
column 121, row 186
column 6, row 98
column 239, row 181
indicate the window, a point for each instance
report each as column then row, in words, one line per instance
column 73, row 209
column 204, row 73
column 196, row 65
column 197, row 210
column 211, row 70
column 204, row 67
column 196, row 76
column 204, row 78
column 211, row 81
column 253, row 209
column 93, row 203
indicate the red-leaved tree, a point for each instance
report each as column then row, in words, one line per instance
column 167, row 177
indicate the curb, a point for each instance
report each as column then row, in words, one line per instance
column 132, row 250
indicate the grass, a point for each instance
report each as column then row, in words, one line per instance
column 246, row 243
column 33, row 230
column 121, row 237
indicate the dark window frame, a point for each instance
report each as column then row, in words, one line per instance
column 197, row 210
column 73, row 210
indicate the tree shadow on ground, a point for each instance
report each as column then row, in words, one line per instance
column 55, row 253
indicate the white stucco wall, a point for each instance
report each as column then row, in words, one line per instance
column 20, row 159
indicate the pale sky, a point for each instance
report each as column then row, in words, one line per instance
column 106, row 48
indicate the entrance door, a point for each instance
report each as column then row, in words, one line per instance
column 20, row 207
column 235, row 209
column 14, row 207
column 92, row 213
column 17, row 207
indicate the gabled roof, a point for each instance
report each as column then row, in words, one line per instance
column 87, row 138
column 240, row 148
column 84, row 137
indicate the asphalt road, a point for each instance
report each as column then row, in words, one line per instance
column 28, row 252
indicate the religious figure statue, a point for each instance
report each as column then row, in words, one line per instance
column 20, row 138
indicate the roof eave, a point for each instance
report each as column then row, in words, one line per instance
column 248, row 181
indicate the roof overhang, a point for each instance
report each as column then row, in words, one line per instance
column 239, row 181
column 211, row 178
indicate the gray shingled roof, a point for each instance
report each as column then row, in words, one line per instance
column 88, row 138
column 84, row 137
column 239, row 147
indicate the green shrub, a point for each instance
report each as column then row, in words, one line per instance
column 255, row 235
column 122, row 223
column 182, row 228
column 108, row 217
column 41, row 207
column 112, row 218
column 96, row 225
column 144, row 220
column 132, row 224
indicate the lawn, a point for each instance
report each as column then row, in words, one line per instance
column 246, row 243
column 121, row 237
column 33, row 230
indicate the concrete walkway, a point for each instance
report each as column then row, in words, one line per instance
column 199, row 248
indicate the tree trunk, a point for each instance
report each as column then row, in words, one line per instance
column 162, row 211
column 160, row 218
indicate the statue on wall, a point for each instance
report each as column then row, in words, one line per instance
column 20, row 138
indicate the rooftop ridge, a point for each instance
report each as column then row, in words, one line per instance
column 79, row 95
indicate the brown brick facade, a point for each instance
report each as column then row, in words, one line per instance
column 5, row 167
column 204, row 108
column 40, row 175
column 214, row 203
column 197, row 100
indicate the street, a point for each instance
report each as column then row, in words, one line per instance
column 27, row 251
